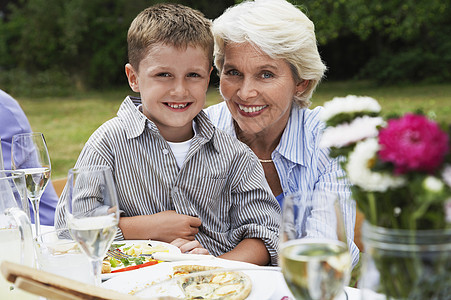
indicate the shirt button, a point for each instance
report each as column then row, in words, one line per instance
column 165, row 151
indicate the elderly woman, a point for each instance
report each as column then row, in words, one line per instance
column 269, row 65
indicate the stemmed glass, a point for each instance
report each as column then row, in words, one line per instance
column 2, row 166
column 92, row 212
column 29, row 154
column 314, row 255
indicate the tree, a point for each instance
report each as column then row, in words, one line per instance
column 78, row 41
column 394, row 40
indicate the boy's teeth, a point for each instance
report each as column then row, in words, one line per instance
column 177, row 105
column 251, row 109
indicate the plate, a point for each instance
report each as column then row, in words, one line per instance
column 137, row 282
column 129, row 243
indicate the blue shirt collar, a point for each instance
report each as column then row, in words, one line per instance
column 291, row 145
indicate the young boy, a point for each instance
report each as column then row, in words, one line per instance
column 177, row 176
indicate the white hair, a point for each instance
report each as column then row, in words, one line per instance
column 280, row 30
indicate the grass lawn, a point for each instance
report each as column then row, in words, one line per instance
column 68, row 122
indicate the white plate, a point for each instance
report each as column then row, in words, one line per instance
column 137, row 281
column 128, row 243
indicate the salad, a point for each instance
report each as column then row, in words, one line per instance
column 136, row 261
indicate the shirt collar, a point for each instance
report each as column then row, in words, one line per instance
column 205, row 128
column 293, row 144
column 135, row 121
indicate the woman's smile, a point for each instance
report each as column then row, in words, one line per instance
column 251, row 109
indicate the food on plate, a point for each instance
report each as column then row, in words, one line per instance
column 136, row 261
column 188, row 269
column 226, row 285
column 106, row 267
column 144, row 248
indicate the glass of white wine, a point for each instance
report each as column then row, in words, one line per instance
column 29, row 154
column 92, row 212
column 314, row 255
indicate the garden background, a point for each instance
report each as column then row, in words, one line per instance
column 64, row 60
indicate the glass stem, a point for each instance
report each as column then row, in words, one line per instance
column 37, row 220
column 96, row 270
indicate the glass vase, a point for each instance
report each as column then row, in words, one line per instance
column 405, row 264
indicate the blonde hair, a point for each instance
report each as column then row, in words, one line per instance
column 172, row 24
column 280, row 30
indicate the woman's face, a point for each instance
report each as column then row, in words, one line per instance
column 258, row 89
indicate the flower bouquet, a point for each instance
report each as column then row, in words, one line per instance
column 400, row 171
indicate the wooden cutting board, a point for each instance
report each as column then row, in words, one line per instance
column 57, row 287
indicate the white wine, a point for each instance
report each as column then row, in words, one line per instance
column 315, row 269
column 93, row 234
column 36, row 180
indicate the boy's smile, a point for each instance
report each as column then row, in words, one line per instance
column 178, row 106
column 173, row 83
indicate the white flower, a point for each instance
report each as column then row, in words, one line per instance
column 433, row 184
column 359, row 171
column 447, row 209
column 349, row 104
column 345, row 134
column 447, row 175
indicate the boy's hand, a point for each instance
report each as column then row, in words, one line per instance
column 172, row 225
column 191, row 247
column 165, row 226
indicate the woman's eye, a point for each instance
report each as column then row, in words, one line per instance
column 266, row 75
column 232, row 72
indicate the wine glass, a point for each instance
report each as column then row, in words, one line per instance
column 2, row 166
column 29, row 154
column 314, row 255
column 92, row 213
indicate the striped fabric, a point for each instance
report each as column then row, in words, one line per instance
column 221, row 181
column 301, row 164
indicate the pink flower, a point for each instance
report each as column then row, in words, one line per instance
column 413, row 143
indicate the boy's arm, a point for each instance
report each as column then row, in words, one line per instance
column 255, row 213
column 249, row 250
column 164, row 226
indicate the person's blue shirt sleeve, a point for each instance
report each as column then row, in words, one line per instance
column 14, row 121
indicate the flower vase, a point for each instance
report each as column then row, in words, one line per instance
column 405, row 264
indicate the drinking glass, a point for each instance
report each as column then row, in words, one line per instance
column 2, row 166
column 16, row 242
column 314, row 255
column 92, row 212
column 57, row 253
column 29, row 154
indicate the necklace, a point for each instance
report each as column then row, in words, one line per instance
column 265, row 160
column 239, row 138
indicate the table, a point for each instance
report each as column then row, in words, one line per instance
column 281, row 290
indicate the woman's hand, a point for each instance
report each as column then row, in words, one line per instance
column 165, row 226
column 191, row 247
